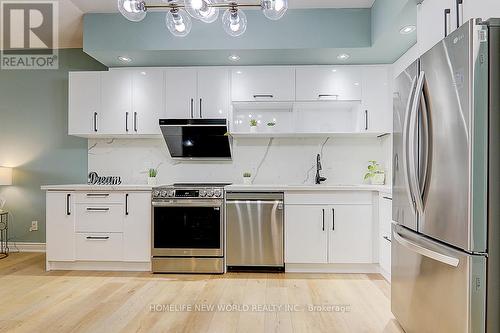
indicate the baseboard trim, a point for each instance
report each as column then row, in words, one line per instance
column 98, row 266
column 332, row 268
column 26, row 247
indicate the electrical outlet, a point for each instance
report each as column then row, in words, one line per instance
column 34, row 226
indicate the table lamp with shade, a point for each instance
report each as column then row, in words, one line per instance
column 5, row 179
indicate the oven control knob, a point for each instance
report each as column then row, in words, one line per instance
column 171, row 193
column 163, row 193
column 203, row 193
column 217, row 193
column 210, row 193
column 156, row 193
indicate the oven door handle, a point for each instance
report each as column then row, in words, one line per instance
column 197, row 203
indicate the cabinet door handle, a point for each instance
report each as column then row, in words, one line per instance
column 459, row 7
column 135, row 121
column 387, row 198
column 126, row 204
column 68, row 209
column 263, row 96
column 324, row 96
column 126, row 121
column 201, row 101
column 387, row 239
column 95, row 121
column 446, row 21
column 323, row 211
column 91, row 209
column 192, row 102
column 366, row 120
column 333, row 219
column 97, row 237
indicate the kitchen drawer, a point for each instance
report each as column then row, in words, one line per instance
column 96, row 197
column 99, row 246
column 385, row 252
column 385, row 213
column 99, row 218
column 328, row 198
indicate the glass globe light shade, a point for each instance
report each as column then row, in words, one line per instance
column 234, row 22
column 178, row 22
column 132, row 10
column 274, row 9
column 200, row 9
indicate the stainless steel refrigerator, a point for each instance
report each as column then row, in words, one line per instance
column 446, row 157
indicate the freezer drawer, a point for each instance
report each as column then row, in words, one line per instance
column 254, row 230
column 436, row 288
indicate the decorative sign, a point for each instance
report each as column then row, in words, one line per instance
column 95, row 179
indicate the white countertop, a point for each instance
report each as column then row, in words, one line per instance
column 322, row 187
column 85, row 187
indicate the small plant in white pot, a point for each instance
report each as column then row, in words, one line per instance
column 247, row 178
column 375, row 174
column 152, row 173
column 253, row 125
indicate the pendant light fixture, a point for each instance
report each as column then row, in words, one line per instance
column 178, row 22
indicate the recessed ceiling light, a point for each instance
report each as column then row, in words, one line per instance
column 334, row 70
column 343, row 56
column 407, row 29
column 239, row 72
column 124, row 59
column 356, row 83
column 234, row 57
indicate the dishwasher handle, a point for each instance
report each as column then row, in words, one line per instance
column 254, row 196
column 279, row 203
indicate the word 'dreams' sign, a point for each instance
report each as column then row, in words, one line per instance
column 29, row 34
column 95, row 179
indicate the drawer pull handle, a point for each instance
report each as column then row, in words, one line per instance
column 387, row 239
column 97, row 238
column 263, row 96
column 97, row 209
column 328, row 96
column 97, row 195
column 387, row 198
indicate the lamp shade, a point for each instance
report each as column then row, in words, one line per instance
column 5, row 176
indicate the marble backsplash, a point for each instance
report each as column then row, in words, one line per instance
column 271, row 161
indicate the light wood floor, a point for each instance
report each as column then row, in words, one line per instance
column 32, row 300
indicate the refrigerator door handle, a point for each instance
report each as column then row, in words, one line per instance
column 412, row 167
column 406, row 139
column 451, row 261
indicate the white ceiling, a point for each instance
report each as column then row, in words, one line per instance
column 105, row 6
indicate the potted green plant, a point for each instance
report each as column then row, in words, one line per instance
column 253, row 125
column 375, row 174
column 152, row 173
column 247, row 178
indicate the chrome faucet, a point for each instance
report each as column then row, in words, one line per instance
column 319, row 179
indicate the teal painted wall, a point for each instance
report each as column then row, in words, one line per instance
column 34, row 140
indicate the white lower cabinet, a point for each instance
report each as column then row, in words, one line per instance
column 98, row 227
column 334, row 234
column 384, row 240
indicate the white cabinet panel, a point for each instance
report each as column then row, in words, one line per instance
column 99, row 218
column 148, row 101
column 213, row 93
column 328, row 83
column 60, row 223
column 385, row 213
column 99, row 246
column 263, row 84
column 385, row 254
column 376, row 110
column 483, row 9
column 84, row 102
column 116, row 95
column 137, row 227
column 306, row 238
column 350, row 234
column 180, row 92
column 431, row 22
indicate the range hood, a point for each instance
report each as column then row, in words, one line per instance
column 197, row 139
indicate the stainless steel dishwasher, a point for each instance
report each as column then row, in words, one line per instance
column 254, row 223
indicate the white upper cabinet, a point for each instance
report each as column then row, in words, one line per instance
column 376, row 111
column 116, row 97
column 180, row 92
column 213, row 93
column 328, row 83
column 350, row 234
column 483, row 9
column 249, row 84
column 431, row 22
column 148, row 101
column 84, row 102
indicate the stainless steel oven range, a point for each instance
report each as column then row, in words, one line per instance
column 188, row 228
